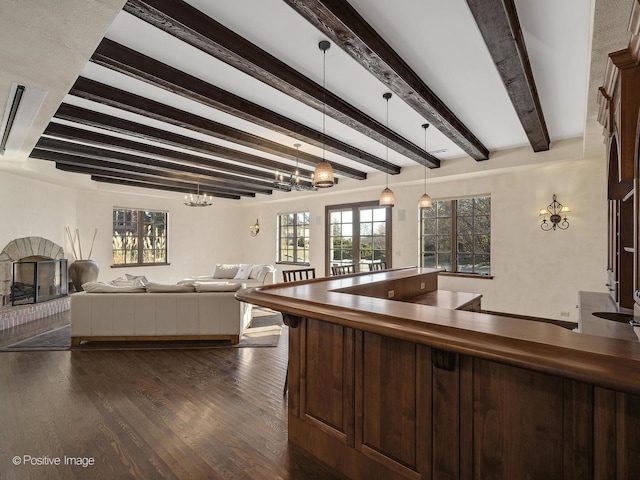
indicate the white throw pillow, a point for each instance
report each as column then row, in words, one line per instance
column 161, row 288
column 255, row 271
column 101, row 287
column 264, row 271
column 140, row 278
column 217, row 286
column 243, row 272
column 125, row 282
column 225, row 270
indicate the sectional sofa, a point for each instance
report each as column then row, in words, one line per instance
column 197, row 308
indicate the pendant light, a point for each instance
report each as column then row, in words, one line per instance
column 323, row 174
column 387, row 197
column 425, row 200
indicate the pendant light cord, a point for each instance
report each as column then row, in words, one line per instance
column 324, row 97
column 387, row 96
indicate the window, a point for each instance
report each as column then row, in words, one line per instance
column 358, row 234
column 293, row 238
column 139, row 237
column 456, row 235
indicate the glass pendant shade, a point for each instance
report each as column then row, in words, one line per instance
column 425, row 201
column 387, row 198
column 323, row 175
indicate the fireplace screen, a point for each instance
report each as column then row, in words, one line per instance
column 35, row 282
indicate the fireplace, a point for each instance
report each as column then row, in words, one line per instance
column 37, row 279
column 24, row 249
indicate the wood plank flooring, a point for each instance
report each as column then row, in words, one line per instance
column 160, row 414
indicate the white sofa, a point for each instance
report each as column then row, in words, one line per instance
column 158, row 316
column 248, row 275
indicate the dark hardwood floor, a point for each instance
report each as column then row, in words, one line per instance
column 155, row 414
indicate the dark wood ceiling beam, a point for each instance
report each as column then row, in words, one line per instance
column 184, row 187
column 114, row 97
column 129, row 183
column 500, row 27
column 129, row 62
column 103, row 121
column 85, row 157
column 185, row 22
column 205, row 165
column 343, row 24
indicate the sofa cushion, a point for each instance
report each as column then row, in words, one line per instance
column 223, row 270
column 101, row 287
column 217, row 286
column 162, row 288
column 243, row 272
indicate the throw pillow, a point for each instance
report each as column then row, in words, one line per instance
column 140, row 278
column 101, row 287
column 264, row 271
column 217, row 286
column 225, row 270
column 125, row 282
column 161, row 288
column 255, row 271
column 243, row 272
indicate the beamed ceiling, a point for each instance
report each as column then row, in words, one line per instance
column 214, row 94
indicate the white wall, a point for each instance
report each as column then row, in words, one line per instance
column 31, row 207
column 535, row 273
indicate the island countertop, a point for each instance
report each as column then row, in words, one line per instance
column 355, row 301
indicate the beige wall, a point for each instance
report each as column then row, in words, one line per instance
column 535, row 273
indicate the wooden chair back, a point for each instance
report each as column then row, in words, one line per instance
column 375, row 266
column 299, row 274
column 343, row 269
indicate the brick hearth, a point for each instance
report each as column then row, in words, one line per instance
column 13, row 316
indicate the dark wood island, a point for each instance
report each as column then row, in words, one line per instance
column 390, row 378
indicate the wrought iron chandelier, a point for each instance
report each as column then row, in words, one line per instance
column 198, row 200
column 293, row 182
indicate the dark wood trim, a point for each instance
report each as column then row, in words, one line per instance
column 151, row 181
column 114, row 97
column 129, row 183
column 561, row 323
column 185, row 22
column 189, row 186
column 91, row 118
column 129, row 62
column 128, row 162
column 346, row 28
column 500, row 28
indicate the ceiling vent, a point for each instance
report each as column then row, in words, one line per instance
column 23, row 106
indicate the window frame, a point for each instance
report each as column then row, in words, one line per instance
column 295, row 237
column 355, row 248
column 453, row 235
column 140, row 235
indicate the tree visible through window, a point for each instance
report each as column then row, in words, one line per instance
column 293, row 237
column 456, row 235
column 139, row 237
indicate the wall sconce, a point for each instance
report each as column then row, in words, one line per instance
column 254, row 229
column 556, row 210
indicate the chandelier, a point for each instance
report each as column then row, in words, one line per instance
column 198, row 200
column 293, row 182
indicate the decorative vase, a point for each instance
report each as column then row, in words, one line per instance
column 83, row 271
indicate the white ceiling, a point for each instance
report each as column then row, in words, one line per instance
column 439, row 39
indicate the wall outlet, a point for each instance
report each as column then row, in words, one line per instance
column 391, row 293
column 565, row 314
column 422, row 286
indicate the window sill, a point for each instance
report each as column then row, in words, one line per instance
column 130, row 265
column 466, row 275
column 302, row 264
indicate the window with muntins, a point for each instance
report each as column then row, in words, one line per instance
column 456, row 235
column 358, row 234
column 293, row 238
column 139, row 237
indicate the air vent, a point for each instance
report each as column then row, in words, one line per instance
column 23, row 106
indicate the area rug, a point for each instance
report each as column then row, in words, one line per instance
column 264, row 331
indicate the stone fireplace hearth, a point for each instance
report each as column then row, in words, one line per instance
column 16, row 250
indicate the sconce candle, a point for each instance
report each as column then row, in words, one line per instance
column 556, row 211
